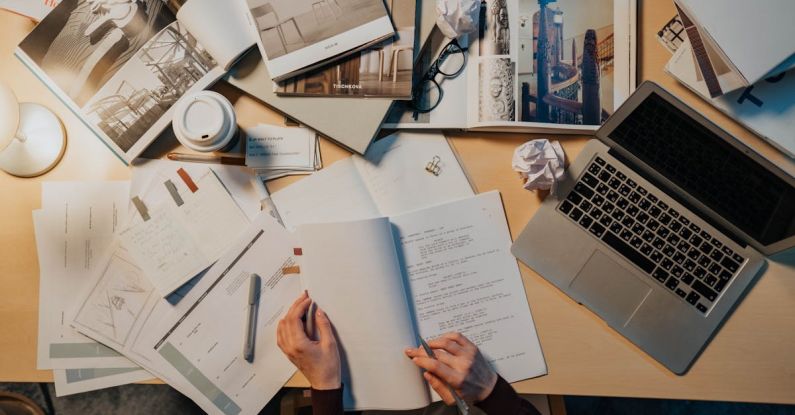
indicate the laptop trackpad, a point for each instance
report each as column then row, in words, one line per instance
column 609, row 289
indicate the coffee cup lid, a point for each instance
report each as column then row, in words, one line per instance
column 204, row 121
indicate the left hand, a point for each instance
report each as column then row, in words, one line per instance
column 318, row 360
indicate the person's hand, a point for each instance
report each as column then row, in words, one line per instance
column 318, row 360
column 459, row 365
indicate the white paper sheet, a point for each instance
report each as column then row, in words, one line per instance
column 351, row 270
column 146, row 316
column 72, row 381
column 35, row 9
column 180, row 241
column 463, row 278
column 236, row 179
column 271, row 147
column 204, row 346
column 75, row 226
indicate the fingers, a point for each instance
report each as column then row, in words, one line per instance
column 440, row 388
column 448, row 345
column 323, row 325
column 458, row 338
column 299, row 307
column 439, row 369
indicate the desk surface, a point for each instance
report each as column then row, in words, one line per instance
column 751, row 358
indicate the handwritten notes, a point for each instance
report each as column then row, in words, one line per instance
column 178, row 242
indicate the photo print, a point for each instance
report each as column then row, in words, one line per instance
column 496, row 102
column 289, row 25
column 565, row 61
column 494, row 36
column 384, row 70
column 105, row 34
column 151, row 82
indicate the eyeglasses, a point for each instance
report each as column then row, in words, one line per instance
column 427, row 94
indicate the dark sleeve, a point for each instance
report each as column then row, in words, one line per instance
column 327, row 402
column 504, row 400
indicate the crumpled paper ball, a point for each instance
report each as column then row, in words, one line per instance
column 541, row 163
column 457, row 17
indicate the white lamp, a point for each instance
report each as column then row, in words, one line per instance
column 32, row 139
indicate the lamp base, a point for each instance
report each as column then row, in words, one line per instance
column 43, row 147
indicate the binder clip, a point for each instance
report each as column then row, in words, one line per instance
column 433, row 166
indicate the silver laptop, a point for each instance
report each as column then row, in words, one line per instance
column 660, row 225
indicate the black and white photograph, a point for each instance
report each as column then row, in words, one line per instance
column 289, row 25
column 381, row 71
column 496, row 90
column 150, row 83
column 83, row 43
column 566, row 61
column 495, row 35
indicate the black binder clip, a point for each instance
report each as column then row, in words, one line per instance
column 433, row 166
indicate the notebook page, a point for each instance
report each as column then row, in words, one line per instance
column 394, row 170
column 333, row 194
column 351, row 271
column 219, row 26
column 463, row 278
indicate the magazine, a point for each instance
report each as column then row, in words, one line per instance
column 381, row 71
column 765, row 108
column 297, row 36
column 121, row 65
column 533, row 66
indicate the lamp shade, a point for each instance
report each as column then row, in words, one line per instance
column 9, row 115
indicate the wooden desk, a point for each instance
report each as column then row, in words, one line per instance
column 751, row 358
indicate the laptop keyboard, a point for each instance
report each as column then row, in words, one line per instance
column 660, row 240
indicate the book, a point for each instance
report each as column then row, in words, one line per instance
column 350, row 122
column 765, row 108
column 532, row 67
column 728, row 56
column 385, row 282
column 392, row 178
column 382, row 71
column 297, row 36
column 121, row 66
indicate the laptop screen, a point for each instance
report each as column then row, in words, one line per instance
column 722, row 177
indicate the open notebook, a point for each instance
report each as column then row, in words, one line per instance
column 121, row 66
column 385, row 281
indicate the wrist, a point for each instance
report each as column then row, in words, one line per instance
column 326, row 384
column 486, row 392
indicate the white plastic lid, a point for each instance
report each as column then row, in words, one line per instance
column 204, row 121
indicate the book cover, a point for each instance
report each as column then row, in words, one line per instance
column 381, row 71
column 297, row 36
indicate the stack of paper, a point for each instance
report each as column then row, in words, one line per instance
column 766, row 107
column 80, row 224
column 275, row 152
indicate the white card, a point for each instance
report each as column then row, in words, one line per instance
column 272, row 147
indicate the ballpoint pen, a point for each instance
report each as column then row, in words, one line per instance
column 463, row 408
column 201, row 158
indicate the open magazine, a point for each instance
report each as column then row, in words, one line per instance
column 297, row 36
column 535, row 67
column 121, row 65
column 381, row 71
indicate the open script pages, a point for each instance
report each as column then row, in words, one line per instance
column 462, row 277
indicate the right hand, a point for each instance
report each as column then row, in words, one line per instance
column 460, row 365
column 318, row 360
